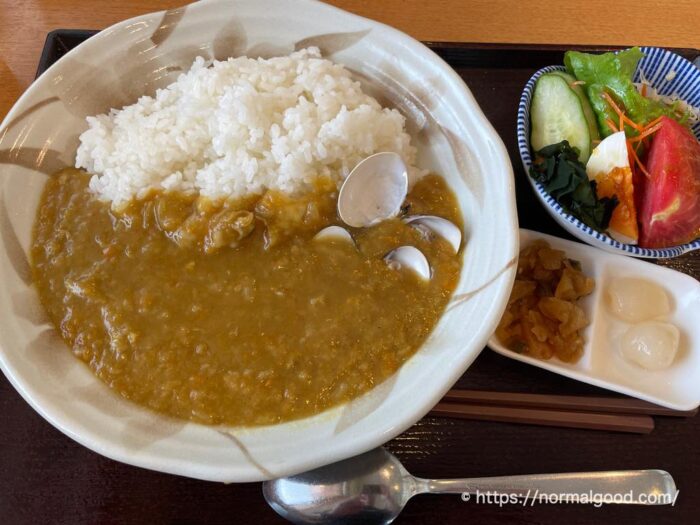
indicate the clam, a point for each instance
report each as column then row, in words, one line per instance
column 374, row 190
column 334, row 233
column 430, row 224
column 410, row 258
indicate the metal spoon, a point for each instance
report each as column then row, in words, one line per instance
column 374, row 487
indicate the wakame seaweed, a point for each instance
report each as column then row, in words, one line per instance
column 564, row 177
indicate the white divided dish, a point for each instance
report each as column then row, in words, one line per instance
column 602, row 364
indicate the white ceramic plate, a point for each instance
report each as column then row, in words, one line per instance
column 602, row 365
column 134, row 57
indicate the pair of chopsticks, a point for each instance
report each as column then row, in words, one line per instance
column 618, row 414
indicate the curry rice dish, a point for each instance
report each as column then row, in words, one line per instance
column 228, row 311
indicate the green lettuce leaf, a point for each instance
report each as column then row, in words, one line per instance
column 612, row 73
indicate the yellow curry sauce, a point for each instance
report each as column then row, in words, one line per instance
column 232, row 313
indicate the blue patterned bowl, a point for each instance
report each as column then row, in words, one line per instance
column 657, row 68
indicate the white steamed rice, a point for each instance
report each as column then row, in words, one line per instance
column 227, row 129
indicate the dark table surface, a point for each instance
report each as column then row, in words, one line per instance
column 47, row 478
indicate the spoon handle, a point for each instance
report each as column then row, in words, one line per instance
column 641, row 487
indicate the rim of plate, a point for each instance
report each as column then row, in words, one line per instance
column 657, row 57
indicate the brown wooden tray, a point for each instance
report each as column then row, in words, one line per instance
column 48, row 478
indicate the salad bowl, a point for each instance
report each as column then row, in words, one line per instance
column 670, row 75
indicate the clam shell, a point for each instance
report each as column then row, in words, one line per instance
column 334, row 233
column 374, row 190
column 439, row 226
column 411, row 258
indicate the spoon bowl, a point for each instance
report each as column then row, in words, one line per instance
column 369, row 488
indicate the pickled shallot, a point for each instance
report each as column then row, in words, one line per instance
column 635, row 300
column 652, row 345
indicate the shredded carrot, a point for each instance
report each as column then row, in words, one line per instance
column 652, row 123
column 578, row 83
column 621, row 114
column 644, row 132
column 610, row 101
column 631, row 123
column 644, row 89
column 647, row 131
column 639, row 163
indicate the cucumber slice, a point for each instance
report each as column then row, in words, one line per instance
column 557, row 114
column 585, row 103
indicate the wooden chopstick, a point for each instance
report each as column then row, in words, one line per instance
column 619, row 414
column 638, row 424
column 618, row 405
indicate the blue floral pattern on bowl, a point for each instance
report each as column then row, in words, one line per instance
column 669, row 74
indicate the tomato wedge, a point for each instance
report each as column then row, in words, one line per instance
column 668, row 205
